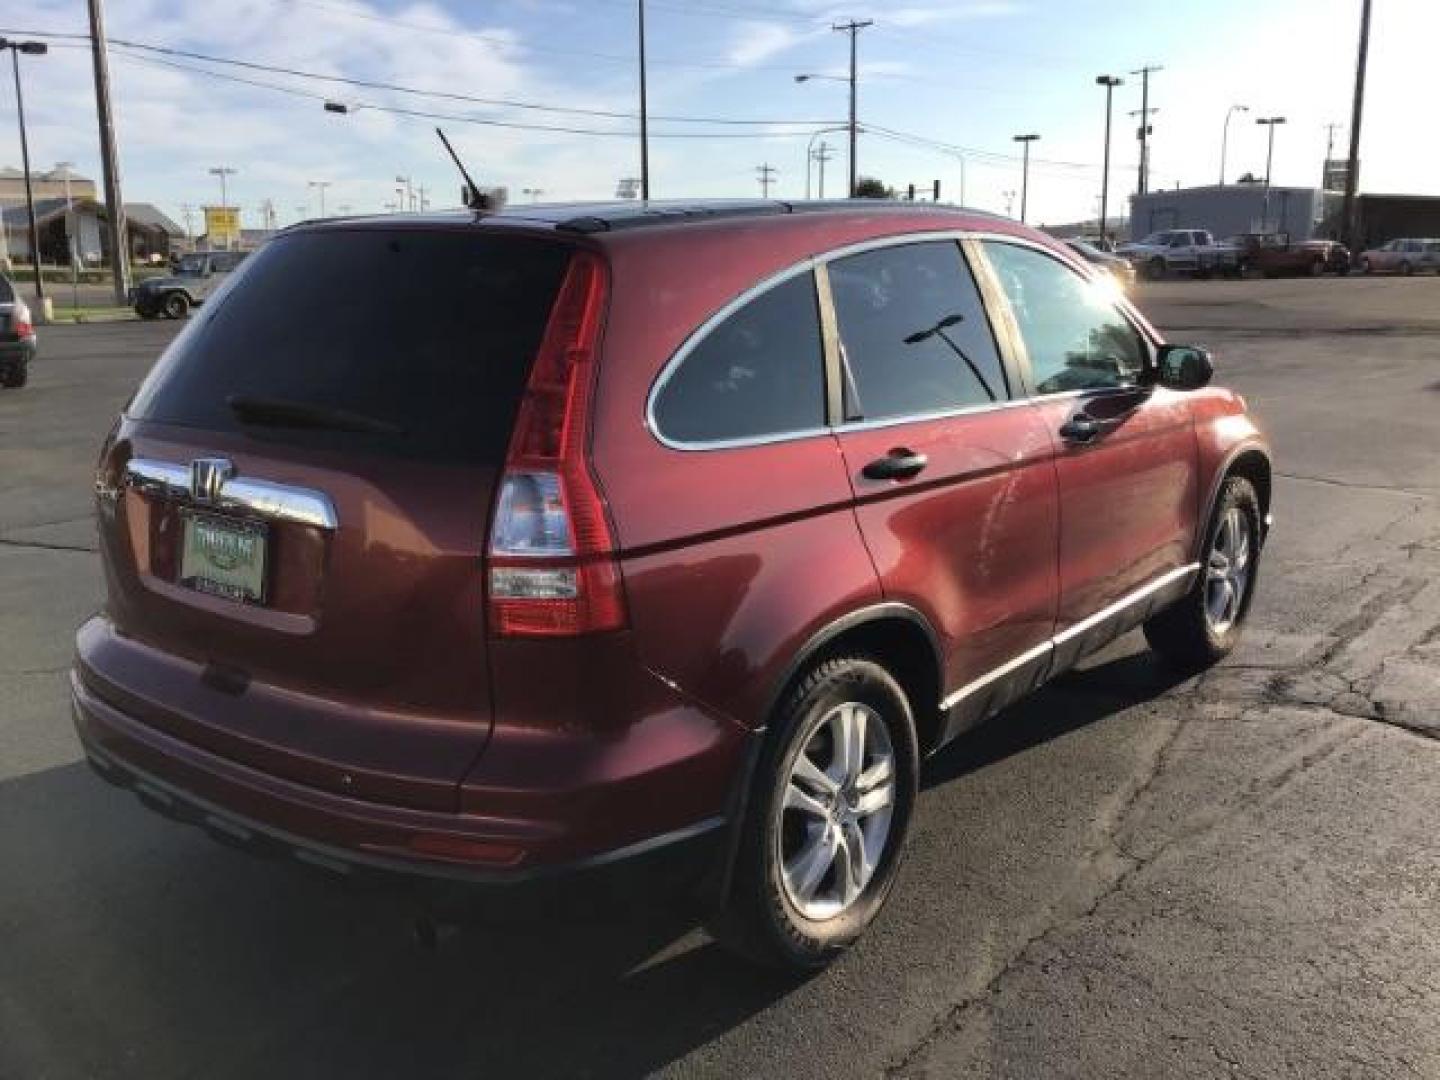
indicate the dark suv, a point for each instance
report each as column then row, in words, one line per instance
column 495, row 546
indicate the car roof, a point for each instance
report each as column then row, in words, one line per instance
column 593, row 218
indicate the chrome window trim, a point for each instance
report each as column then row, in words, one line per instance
column 1081, row 627
column 810, row 263
column 243, row 494
column 1089, row 273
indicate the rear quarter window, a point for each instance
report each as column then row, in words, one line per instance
column 430, row 332
column 757, row 373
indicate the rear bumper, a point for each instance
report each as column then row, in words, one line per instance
column 242, row 808
column 17, row 352
column 608, row 801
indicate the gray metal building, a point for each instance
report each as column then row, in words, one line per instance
column 1226, row 211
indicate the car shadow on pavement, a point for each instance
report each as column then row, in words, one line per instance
column 134, row 947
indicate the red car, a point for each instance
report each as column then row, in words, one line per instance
column 496, row 546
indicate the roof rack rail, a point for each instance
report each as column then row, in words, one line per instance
column 645, row 214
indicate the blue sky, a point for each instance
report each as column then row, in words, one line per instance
column 971, row 73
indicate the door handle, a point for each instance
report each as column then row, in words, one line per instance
column 898, row 464
column 1080, row 429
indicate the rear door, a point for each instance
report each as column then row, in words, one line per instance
column 1126, row 453
column 954, row 486
column 307, row 475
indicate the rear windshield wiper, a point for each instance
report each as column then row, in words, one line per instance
column 277, row 412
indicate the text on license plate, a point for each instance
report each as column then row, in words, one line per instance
column 224, row 557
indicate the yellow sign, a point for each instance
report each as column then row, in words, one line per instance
column 222, row 225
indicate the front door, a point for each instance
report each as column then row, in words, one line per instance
column 954, row 489
column 1125, row 452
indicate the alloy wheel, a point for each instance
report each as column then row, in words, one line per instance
column 835, row 816
column 1227, row 571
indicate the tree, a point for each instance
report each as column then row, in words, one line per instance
column 867, row 187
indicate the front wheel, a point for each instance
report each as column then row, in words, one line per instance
column 1155, row 269
column 176, row 305
column 822, row 838
column 1204, row 626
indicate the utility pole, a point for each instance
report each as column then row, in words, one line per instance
column 406, row 193
column 1024, row 174
column 1143, row 184
column 1330, row 130
column 1109, row 82
column 822, row 155
column 1009, row 197
column 109, row 158
column 1352, row 170
column 853, row 28
column 186, row 210
column 766, row 174
column 644, row 115
column 34, row 48
column 320, row 186
column 64, row 168
column 422, row 192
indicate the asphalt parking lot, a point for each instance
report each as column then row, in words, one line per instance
column 1127, row 876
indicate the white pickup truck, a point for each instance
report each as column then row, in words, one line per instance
column 1194, row 251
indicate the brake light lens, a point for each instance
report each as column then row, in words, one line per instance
column 552, row 567
column 20, row 321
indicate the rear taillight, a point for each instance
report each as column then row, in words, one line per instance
column 552, row 566
column 20, row 321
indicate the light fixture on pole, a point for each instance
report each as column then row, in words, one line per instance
column 30, row 48
column 1225, row 136
column 1025, row 173
column 1109, row 82
column 1270, row 123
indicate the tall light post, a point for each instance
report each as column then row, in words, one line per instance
column 1109, row 82
column 822, row 155
column 224, row 171
column 1270, row 123
column 320, row 186
column 1025, row 173
column 407, row 193
column 1225, row 136
column 30, row 48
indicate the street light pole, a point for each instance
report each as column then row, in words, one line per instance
column 853, row 28
column 1143, row 181
column 33, row 48
column 1270, row 123
column 810, row 146
column 70, row 230
column 1225, row 136
column 1109, row 82
column 1025, row 173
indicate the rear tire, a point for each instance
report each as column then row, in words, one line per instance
column 823, row 835
column 1155, row 269
column 1366, row 267
column 16, row 375
column 1204, row 626
column 1406, row 269
column 175, row 305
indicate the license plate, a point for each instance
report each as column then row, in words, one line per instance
column 224, row 557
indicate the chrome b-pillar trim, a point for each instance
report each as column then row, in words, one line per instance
column 241, row 494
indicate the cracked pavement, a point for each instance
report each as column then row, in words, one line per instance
column 1129, row 875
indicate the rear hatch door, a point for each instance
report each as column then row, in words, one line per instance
column 305, row 479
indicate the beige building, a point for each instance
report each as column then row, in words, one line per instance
column 48, row 185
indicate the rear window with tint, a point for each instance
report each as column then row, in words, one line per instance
column 432, row 333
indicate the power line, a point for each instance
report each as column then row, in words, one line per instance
column 372, row 84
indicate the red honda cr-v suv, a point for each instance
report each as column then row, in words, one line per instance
column 489, row 546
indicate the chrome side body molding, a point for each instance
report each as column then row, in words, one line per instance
column 212, row 482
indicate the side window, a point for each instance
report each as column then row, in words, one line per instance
column 1075, row 337
column 758, row 373
column 913, row 331
column 223, row 264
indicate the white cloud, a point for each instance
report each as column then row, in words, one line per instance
column 756, row 42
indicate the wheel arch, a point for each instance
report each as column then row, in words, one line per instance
column 1251, row 461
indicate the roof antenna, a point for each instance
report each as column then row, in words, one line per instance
column 480, row 201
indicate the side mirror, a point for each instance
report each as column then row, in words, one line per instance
column 1184, row 367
